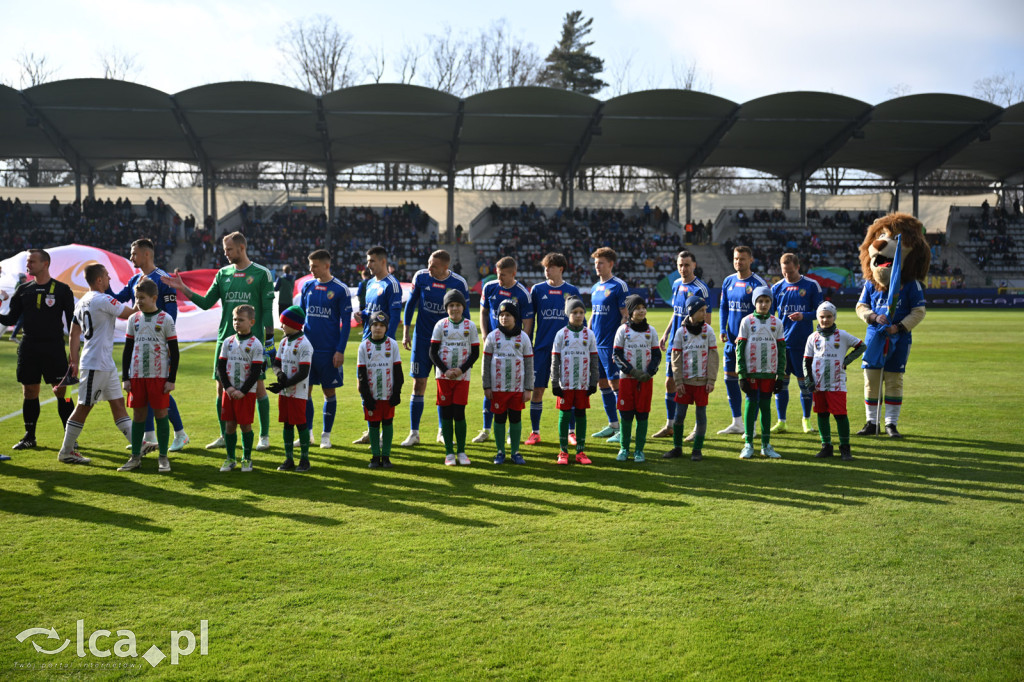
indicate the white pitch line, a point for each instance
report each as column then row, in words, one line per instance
column 12, row 415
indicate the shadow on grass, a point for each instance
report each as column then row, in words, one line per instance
column 917, row 469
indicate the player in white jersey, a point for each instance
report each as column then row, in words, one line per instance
column 94, row 319
column 761, row 364
column 508, row 362
column 827, row 354
column 149, row 366
column 292, row 366
column 636, row 353
column 574, row 377
column 379, row 365
column 454, row 348
column 239, row 368
column 694, row 368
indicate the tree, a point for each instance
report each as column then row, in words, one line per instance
column 35, row 70
column 318, row 54
column 571, row 66
column 1003, row 89
column 118, row 65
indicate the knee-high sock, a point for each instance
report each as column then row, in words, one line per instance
column 766, row 418
column 138, row 432
column 806, row 402
column 223, row 429
column 732, row 390
column 289, row 441
column 309, row 415
column 893, row 404
column 749, row 419
column 231, row 443
column 782, row 402
column 872, row 388
column 499, row 434
column 460, row 434
column 163, row 434
column 124, row 425
column 150, row 421
column 30, row 415
column 330, row 409
column 580, row 422
column 387, row 434
column 701, row 422
column 536, row 410
column 626, row 429
column 64, row 408
column 247, row 439
column 515, row 435
column 563, row 430
column 415, row 411
column 843, row 426
column 679, row 425
column 670, row 406
column 303, row 444
column 609, row 400
column 71, row 433
column 641, row 430
column 263, row 407
column 448, row 433
column 374, row 429
column 489, row 416
column 175, row 416
column 825, row 428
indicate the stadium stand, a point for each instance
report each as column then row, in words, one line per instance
column 646, row 245
column 994, row 241
column 111, row 225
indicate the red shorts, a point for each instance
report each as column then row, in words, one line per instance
column 635, row 396
column 241, row 411
column 149, row 393
column 506, row 400
column 830, row 402
column 382, row 411
column 763, row 385
column 291, row 411
column 573, row 399
column 692, row 395
column 452, row 392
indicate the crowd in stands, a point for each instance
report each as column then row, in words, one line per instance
column 110, row 225
column 990, row 238
column 528, row 233
column 287, row 237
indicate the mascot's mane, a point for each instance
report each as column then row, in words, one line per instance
column 917, row 256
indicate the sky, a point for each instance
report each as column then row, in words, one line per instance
column 871, row 50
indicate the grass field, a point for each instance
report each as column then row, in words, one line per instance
column 907, row 563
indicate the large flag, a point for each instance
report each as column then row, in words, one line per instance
column 881, row 344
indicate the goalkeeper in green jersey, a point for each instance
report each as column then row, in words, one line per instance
column 241, row 282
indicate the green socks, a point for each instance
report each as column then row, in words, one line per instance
column 163, row 434
column 641, row 432
column 581, row 432
column 247, row 437
column 374, row 429
column 843, row 422
column 515, row 434
column 387, row 433
column 138, row 433
column 754, row 408
column 825, row 429
column 263, row 407
column 625, row 431
column 289, row 440
column 766, row 419
column 499, row 435
column 448, row 433
column 223, row 432
column 230, row 443
column 460, row 435
column 563, row 430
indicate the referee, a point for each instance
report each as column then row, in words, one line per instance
column 47, row 305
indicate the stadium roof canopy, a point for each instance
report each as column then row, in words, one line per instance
column 95, row 123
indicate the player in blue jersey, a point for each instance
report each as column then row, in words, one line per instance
column 426, row 303
column 735, row 304
column 383, row 292
column 608, row 306
column 141, row 257
column 548, row 300
column 504, row 288
column 795, row 299
column 687, row 285
column 328, row 307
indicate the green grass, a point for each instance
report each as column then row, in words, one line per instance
column 903, row 564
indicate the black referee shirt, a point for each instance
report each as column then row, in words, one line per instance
column 43, row 306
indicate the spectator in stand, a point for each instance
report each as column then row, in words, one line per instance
column 285, row 288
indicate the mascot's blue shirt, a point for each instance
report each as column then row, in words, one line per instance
column 911, row 296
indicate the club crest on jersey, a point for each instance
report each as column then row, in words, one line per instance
column 803, row 292
column 330, row 295
column 249, row 280
column 50, row 300
column 465, row 333
column 749, row 289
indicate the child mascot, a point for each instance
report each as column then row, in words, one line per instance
column 891, row 333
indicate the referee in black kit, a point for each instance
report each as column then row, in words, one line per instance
column 46, row 305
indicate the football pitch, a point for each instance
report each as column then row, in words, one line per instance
column 906, row 563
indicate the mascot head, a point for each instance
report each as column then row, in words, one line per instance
column 879, row 249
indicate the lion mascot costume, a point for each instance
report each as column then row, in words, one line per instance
column 890, row 334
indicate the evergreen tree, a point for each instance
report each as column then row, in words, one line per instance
column 571, row 66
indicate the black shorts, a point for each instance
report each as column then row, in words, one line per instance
column 41, row 360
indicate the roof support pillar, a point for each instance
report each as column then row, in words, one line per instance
column 675, row 197
column 786, row 194
column 206, row 197
column 803, row 199
column 332, row 185
column 917, row 191
column 689, row 196
column 895, row 196
column 213, row 200
column 91, row 181
column 78, row 186
column 450, row 201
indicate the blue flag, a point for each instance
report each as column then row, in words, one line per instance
column 880, row 344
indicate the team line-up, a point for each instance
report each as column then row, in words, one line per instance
column 531, row 338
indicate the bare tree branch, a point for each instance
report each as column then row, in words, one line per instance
column 318, row 54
